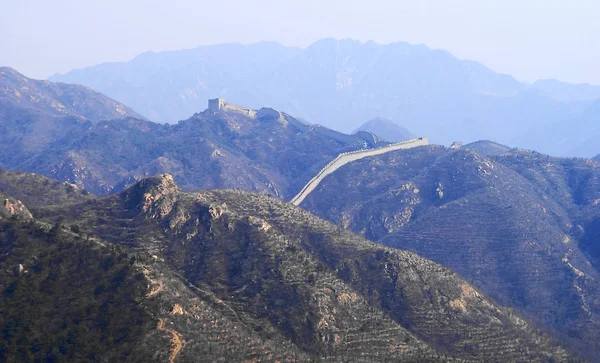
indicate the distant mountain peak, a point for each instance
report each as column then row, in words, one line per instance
column 386, row 130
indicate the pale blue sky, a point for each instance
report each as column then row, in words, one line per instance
column 541, row 39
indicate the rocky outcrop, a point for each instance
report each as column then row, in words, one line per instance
column 153, row 197
column 11, row 207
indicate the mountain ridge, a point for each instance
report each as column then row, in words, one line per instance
column 255, row 149
column 341, row 83
column 237, row 252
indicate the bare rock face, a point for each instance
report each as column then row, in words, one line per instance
column 153, row 197
column 11, row 207
column 216, row 211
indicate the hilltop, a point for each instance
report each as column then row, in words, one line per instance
column 487, row 148
column 235, row 275
column 520, row 226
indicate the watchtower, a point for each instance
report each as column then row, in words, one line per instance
column 216, row 104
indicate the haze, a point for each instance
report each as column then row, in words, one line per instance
column 533, row 40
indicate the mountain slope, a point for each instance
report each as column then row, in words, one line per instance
column 34, row 114
column 386, row 130
column 66, row 296
column 288, row 276
column 520, row 226
column 58, row 99
column 37, row 190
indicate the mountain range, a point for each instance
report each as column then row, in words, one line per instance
column 484, row 252
column 261, row 150
column 34, row 114
column 157, row 274
column 342, row 83
column 520, row 226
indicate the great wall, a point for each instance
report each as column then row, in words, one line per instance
column 345, row 158
column 218, row 104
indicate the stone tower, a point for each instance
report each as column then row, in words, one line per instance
column 216, row 104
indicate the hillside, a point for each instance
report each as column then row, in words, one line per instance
column 34, row 114
column 342, row 83
column 68, row 297
column 386, row 130
column 259, row 150
column 522, row 226
column 245, row 276
column 37, row 190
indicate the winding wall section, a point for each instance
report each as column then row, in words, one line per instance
column 345, row 158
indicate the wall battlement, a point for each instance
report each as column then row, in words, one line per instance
column 219, row 104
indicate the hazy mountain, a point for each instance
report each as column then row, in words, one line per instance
column 34, row 114
column 58, row 99
column 341, row 83
column 487, row 148
column 157, row 274
column 522, row 226
column 597, row 158
column 386, row 130
column 568, row 91
column 570, row 135
column 171, row 86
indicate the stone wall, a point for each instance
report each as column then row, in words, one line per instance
column 349, row 157
column 219, row 104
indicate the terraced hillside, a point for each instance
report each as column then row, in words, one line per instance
column 522, row 227
column 235, row 275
